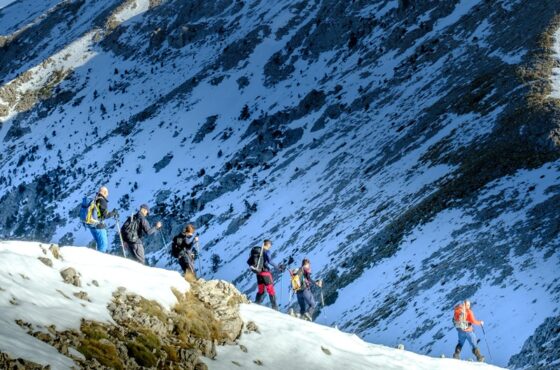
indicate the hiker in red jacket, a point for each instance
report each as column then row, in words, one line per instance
column 463, row 320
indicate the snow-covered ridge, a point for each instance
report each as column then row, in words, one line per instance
column 285, row 342
column 35, row 293
column 32, row 292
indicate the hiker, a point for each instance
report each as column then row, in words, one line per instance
column 96, row 214
column 463, row 320
column 303, row 290
column 134, row 229
column 260, row 263
column 183, row 249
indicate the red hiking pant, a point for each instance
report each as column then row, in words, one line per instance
column 264, row 280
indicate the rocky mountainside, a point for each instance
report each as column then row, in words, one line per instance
column 408, row 148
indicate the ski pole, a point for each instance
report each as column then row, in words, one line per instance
column 120, row 236
column 486, row 340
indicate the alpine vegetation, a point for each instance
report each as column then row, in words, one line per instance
column 408, row 150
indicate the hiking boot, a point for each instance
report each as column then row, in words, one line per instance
column 308, row 316
column 273, row 302
column 457, row 352
column 478, row 355
column 259, row 298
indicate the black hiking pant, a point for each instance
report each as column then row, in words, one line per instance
column 136, row 251
column 186, row 261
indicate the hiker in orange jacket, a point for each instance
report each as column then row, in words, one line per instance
column 463, row 320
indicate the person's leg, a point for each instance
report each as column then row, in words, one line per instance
column 183, row 264
column 103, row 241
column 269, row 285
column 260, row 290
column 137, row 250
column 471, row 338
column 95, row 234
column 310, row 300
column 461, row 341
column 301, row 302
column 474, row 343
column 190, row 260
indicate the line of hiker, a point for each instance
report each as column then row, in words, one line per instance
column 260, row 262
column 184, row 247
column 94, row 213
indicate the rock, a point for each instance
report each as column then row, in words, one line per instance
column 82, row 295
column 325, row 350
column 200, row 366
column 46, row 261
column 252, row 327
column 71, row 276
column 55, row 251
column 224, row 299
column 258, row 362
column 6, row 362
column 243, row 348
column 94, row 282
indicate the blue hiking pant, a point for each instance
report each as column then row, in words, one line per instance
column 304, row 297
column 101, row 238
column 467, row 336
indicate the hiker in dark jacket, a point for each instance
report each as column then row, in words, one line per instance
column 99, row 229
column 183, row 249
column 304, row 295
column 133, row 232
column 264, row 275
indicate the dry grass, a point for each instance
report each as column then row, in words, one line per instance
column 536, row 74
column 195, row 319
column 104, row 352
column 152, row 308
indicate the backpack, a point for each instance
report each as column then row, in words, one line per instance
column 175, row 249
column 89, row 212
column 460, row 317
column 256, row 259
column 129, row 229
column 296, row 279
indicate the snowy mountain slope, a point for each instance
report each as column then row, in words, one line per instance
column 408, row 148
column 35, row 294
column 312, row 346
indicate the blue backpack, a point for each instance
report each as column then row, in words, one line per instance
column 89, row 212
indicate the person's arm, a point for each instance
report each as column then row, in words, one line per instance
column 102, row 206
column 268, row 260
column 147, row 228
column 472, row 319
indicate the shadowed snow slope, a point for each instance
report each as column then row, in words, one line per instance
column 410, row 149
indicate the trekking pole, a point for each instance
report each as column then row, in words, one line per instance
column 198, row 257
column 323, row 302
column 486, row 340
column 281, row 286
column 120, row 236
